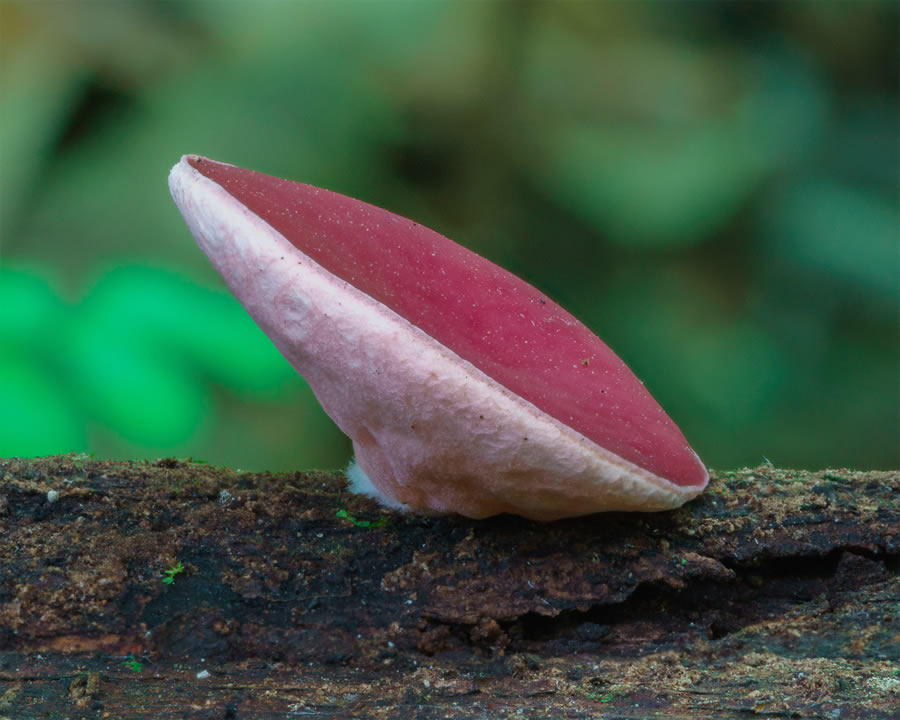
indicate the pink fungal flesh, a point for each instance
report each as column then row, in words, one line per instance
column 484, row 315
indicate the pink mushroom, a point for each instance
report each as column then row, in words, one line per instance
column 463, row 388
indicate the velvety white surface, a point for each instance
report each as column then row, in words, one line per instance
column 430, row 430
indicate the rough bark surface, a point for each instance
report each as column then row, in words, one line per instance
column 173, row 589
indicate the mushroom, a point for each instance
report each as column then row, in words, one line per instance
column 463, row 388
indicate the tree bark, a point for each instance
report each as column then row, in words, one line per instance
column 173, row 589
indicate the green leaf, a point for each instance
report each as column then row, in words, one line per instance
column 360, row 523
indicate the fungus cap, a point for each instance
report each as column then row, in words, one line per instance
column 463, row 388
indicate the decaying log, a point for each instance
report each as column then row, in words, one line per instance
column 173, row 589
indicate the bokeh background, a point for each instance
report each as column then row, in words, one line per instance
column 711, row 186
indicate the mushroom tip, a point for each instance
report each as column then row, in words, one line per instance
column 178, row 169
column 185, row 160
column 188, row 163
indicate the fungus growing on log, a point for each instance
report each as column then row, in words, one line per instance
column 463, row 388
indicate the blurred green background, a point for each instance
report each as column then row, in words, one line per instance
column 711, row 186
